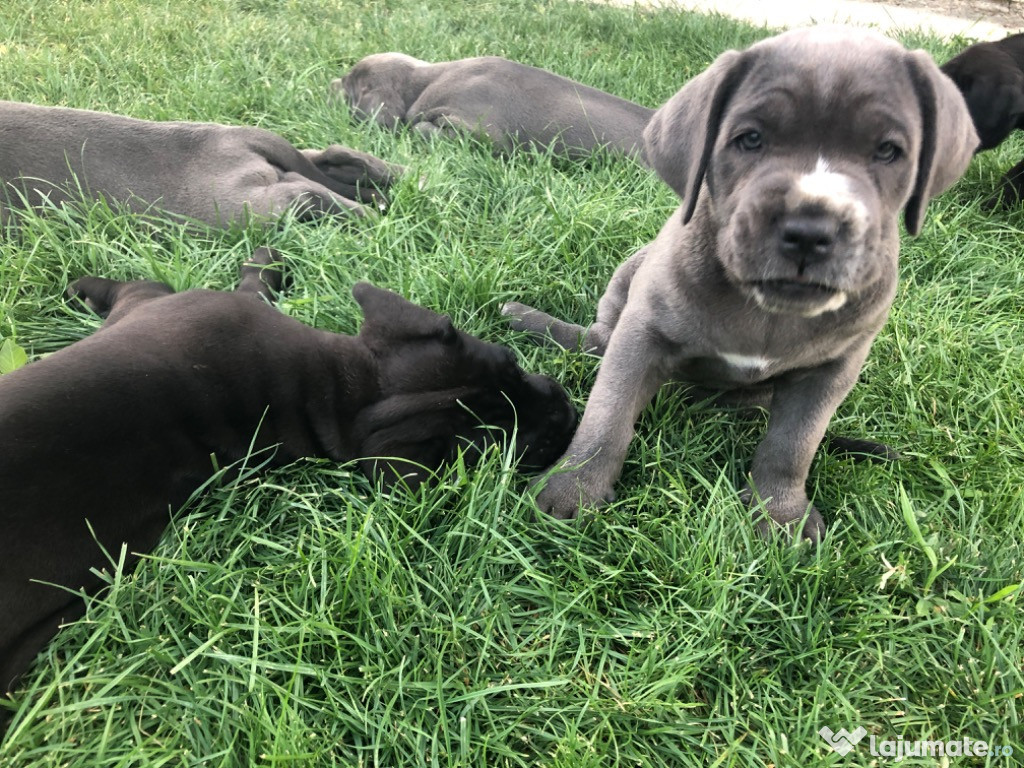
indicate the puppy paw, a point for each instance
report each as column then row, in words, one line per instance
column 566, row 493
column 349, row 164
column 336, row 91
column 1005, row 199
column 524, row 318
column 543, row 328
column 451, row 127
column 361, row 174
column 261, row 275
column 797, row 518
column 95, row 294
column 809, row 526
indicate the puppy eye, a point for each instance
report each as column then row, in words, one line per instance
column 749, row 141
column 887, row 152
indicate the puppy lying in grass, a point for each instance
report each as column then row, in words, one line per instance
column 215, row 174
column 102, row 438
column 508, row 103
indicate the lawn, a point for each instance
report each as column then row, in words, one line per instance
column 300, row 618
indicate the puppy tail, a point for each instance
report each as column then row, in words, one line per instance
column 860, row 450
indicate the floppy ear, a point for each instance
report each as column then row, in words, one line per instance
column 409, row 451
column 382, row 101
column 408, row 436
column 681, row 135
column 948, row 138
column 387, row 106
column 389, row 314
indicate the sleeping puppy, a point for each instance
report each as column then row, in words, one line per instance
column 793, row 160
column 102, row 438
column 991, row 78
column 215, row 174
column 509, row 103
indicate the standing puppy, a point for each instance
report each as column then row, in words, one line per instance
column 509, row 103
column 793, row 160
column 103, row 438
column 991, row 78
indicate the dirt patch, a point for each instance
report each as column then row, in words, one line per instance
column 1005, row 13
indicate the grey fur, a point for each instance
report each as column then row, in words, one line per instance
column 511, row 104
column 215, row 174
column 770, row 273
column 102, row 439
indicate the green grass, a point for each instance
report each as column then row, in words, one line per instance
column 297, row 618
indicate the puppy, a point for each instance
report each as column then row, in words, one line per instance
column 100, row 439
column 991, row 78
column 215, row 174
column 509, row 103
column 793, row 159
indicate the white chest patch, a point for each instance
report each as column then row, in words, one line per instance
column 745, row 362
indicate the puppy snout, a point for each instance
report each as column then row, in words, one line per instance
column 807, row 239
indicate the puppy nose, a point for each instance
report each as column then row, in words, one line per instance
column 807, row 238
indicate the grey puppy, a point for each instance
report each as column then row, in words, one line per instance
column 215, row 174
column 102, row 438
column 509, row 103
column 793, row 159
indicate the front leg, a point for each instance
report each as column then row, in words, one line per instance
column 630, row 375
column 113, row 299
column 1011, row 189
column 802, row 406
column 443, row 123
column 543, row 327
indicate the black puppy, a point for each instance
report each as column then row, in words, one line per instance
column 100, row 439
column 991, row 78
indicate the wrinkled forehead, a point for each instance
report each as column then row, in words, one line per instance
column 829, row 83
column 367, row 66
column 830, row 42
column 390, row 60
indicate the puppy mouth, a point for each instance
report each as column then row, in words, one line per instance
column 797, row 296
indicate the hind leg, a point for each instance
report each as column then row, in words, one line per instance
column 576, row 337
column 307, row 198
column 442, row 122
column 261, row 274
column 113, row 299
column 358, row 175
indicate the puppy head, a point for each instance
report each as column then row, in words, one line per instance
column 992, row 84
column 442, row 389
column 803, row 149
column 377, row 87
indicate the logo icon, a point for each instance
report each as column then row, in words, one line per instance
column 842, row 741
